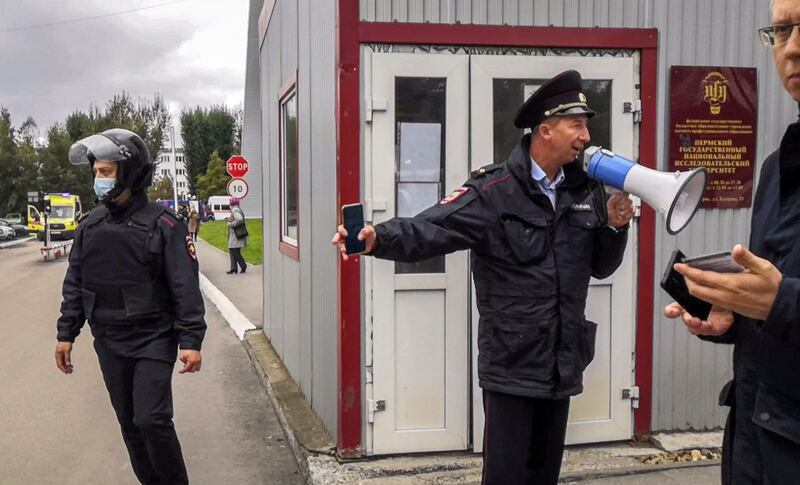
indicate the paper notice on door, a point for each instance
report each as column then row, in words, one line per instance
column 413, row 198
column 420, row 152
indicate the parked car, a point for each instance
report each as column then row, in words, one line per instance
column 14, row 218
column 6, row 233
column 19, row 229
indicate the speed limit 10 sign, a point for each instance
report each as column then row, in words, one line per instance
column 238, row 188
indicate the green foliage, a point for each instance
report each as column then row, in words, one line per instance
column 205, row 130
column 28, row 165
column 161, row 189
column 216, row 234
column 215, row 180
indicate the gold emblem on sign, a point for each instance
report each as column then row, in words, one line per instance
column 715, row 87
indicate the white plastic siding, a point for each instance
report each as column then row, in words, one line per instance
column 688, row 373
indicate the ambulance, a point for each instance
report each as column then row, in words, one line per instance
column 65, row 211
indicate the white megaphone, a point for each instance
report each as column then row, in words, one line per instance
column 676, row 195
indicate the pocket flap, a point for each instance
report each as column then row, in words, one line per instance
column 584, row 219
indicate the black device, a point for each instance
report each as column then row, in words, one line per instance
column 719, row 262
column 353, row 221
column 675, row 285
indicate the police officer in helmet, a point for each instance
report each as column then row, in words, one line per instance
column 538, row 230
column 133, row 275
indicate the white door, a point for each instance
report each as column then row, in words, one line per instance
column 499, row 85
column 416, row 151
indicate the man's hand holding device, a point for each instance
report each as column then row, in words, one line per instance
column 352, row 236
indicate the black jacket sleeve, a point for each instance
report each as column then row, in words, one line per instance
column 181, row 272
column 451, row 225
column 609, row 249
column 72, row 315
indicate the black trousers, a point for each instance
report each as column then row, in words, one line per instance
column 236, row 257
column 523, row 439
column 141, row 393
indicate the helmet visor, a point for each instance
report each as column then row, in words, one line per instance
column 96, row 147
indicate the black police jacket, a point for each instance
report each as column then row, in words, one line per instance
column 531, row 265
column 135, row 273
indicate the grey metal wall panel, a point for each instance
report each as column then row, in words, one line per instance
column 251, row 123
column 324, row 213
column 300, row 298
column 303, row 329
column 687, row 372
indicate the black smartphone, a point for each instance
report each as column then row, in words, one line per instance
column 353, row 221
column 719, row 262
column 675, row 285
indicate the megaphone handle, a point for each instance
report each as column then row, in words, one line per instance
column 598, row 192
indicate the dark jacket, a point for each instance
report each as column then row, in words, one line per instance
column 134, row 275
column 531, row 266
column 765, row 391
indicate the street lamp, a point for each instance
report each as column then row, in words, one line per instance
column 174, row 169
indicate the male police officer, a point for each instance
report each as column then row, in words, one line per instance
column 538, row 230
column 133, row 274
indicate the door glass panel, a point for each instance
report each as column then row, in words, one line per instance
column 509, row 94
column 420, row 107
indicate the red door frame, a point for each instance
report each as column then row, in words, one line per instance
column 351, row 33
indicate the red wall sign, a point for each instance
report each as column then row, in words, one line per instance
column 713, row 125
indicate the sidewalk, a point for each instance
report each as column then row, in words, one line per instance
column 243, row 290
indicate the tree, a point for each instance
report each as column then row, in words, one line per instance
column 205, row 130
column 215, row 180
column 161, row 189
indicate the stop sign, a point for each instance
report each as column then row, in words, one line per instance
column 236, row 166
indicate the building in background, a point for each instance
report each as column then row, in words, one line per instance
column 166, row 168
column 393, row 103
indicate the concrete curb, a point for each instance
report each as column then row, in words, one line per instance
column 235, row 318
column 305, row 432
column 16, row 242
column 583, row 475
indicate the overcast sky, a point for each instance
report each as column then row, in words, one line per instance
column 191, row 51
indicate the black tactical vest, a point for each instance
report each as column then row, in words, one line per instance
column 121, row 273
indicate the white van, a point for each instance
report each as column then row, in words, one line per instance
column 220, row 205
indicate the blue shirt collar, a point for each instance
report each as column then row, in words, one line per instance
column 541, row 178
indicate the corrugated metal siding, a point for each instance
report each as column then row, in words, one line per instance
column 300, row 299
column 251, row 129
column 687, row 372
column 322, row 194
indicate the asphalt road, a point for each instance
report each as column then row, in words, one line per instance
column 61, row 429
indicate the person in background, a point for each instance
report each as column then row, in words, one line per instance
column 237, row 237
column 194, row 223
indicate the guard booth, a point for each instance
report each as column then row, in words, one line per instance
column 392, row 103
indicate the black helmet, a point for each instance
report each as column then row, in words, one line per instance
column 135, row 171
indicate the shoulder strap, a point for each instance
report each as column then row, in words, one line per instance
column 149, row 214
column 486, row 169
column 94, row 216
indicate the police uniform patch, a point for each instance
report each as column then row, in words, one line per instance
column 190, row 248
column 454, row 195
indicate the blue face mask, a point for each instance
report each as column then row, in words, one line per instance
column 103, row 186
